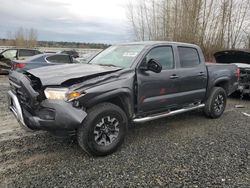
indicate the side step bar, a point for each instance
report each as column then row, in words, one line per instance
column 166, row 114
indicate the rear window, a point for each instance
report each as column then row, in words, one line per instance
column 189, row 57
column 59, row 58
column 27, row 53
column 37, row 52
column 72, row 53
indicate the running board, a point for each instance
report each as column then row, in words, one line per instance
column 166, row 114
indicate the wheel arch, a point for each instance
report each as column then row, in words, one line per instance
column 120, row 97
column 223, row 83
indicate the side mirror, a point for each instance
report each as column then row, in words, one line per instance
column 153, row 66
column 1, row 56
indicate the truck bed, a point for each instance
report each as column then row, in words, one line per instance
column 217, row 71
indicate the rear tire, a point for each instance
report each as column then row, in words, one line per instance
column 103, row 130
column 216, row 103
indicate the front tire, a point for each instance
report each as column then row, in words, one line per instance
column 216, row 103
column 103, row 130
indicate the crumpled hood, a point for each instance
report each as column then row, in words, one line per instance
column 57, row 74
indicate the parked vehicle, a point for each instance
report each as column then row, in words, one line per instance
column 132, row 82
column 8, row 55
column 242, row 60
column 73, row 53
column 42, row 60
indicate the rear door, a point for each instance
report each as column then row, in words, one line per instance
column 192, row 73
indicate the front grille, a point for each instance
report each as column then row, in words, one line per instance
column 22, row 96
column 24, row 99
column 35, row 82
column 21, row 85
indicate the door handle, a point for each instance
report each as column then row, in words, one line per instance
column 201, row 74
column 174, row 76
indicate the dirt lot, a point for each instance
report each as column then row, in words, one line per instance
column 188, row 150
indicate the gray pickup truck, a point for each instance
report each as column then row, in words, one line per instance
column 126, row 83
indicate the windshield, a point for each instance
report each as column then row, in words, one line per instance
column 120, row 56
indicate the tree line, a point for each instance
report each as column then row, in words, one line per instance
column 212, row 24
column 28, row 38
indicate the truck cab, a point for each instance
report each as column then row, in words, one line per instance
column 182, row 80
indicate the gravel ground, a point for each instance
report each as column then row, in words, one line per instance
column 187, row 150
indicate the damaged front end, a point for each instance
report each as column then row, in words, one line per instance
column 34, row 111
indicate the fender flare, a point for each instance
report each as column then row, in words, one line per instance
column 221, row 79
column 214, row 83
column 124, row 94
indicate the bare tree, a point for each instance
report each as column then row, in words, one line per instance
column 19, row 38
column 212, row 24
column 32, row 38
column 23, row 37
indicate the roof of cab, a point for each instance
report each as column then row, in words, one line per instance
column 153, row 43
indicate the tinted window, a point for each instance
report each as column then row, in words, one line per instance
column 9, row 54
column 189, row 57
column 37, row 52
column 26, row 53
column 164, row 55
column 72, row 53
column 59, row 59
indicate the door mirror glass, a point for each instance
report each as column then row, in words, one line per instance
column 154, row 66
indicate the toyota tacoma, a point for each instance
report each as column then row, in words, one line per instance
column 124, row 84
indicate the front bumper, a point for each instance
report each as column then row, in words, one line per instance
column 16, row 109
column 51, row 115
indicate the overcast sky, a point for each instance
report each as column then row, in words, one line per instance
column 67, row 20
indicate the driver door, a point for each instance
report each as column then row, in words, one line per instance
column 157, row 91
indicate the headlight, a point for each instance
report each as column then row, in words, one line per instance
column 56, row 93
column 61, row 94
